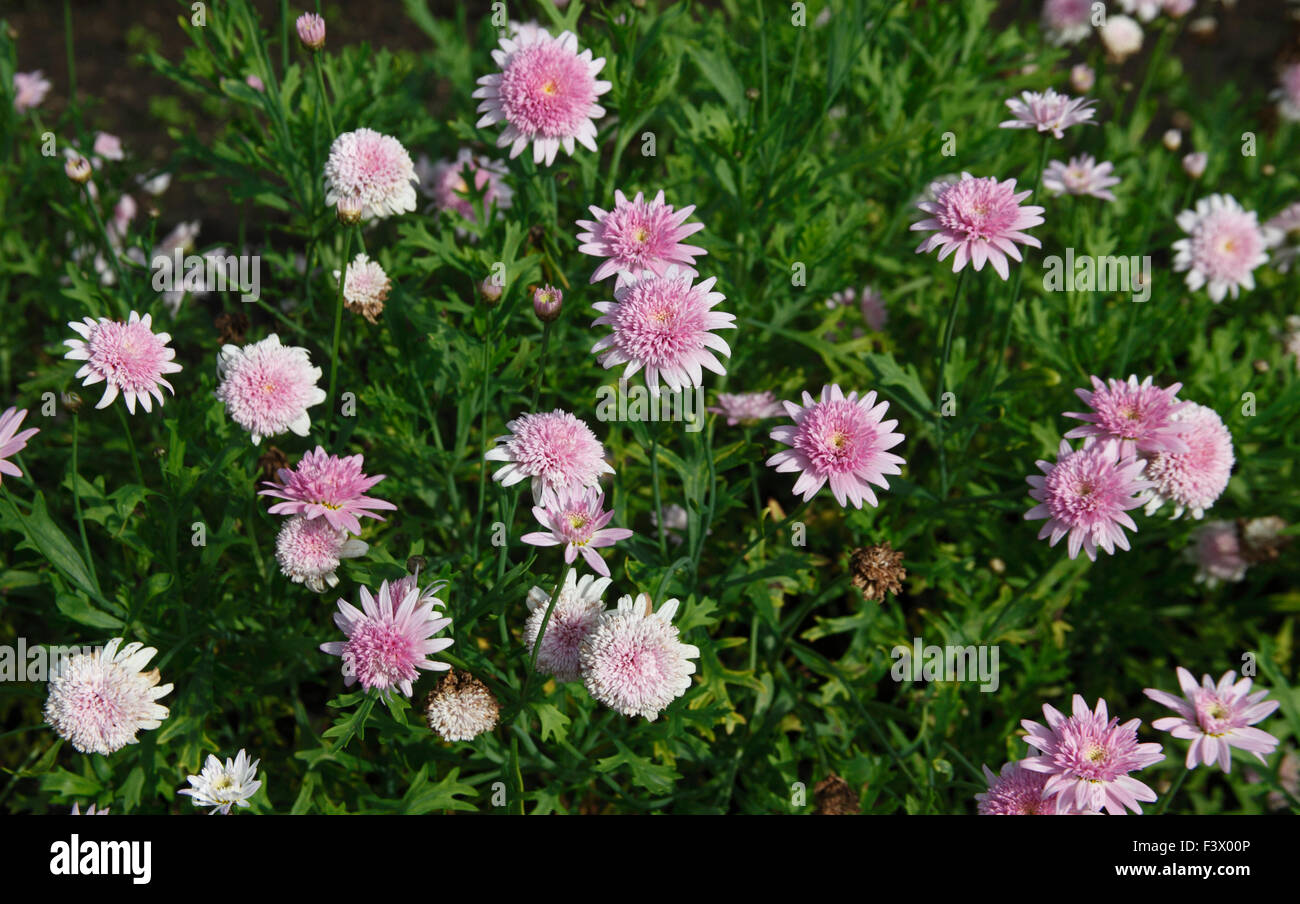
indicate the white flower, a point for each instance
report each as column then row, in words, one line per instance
column 100, row 700
column 222, row 787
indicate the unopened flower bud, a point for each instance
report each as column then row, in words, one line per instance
column 489, row 291
column 416, row 564
column 546, row 303
column 1194, row 164
column 78, row 169
column 311, row 31
column 1173, row 139
column 349, row 210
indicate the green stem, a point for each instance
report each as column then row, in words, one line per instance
column 320, row 95
column 541, row 364
column 130, row 442
column 76, row 503
column 1169, row 795
column 482, row 420
column 938, row 392
column 338, row 319
column 546, row 619
column 103, row 234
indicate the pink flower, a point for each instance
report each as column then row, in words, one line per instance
column 30, row 89
column 1067, row 21
column 1216, row 549
column 1017, row 791
column 268, row 387
column 326, row 486
column 1087, row 494
column 1225, row 244
column 1146, row 10
column 640, row 235
column 633, row 661
column 108, row 146
column 373, row 167
column 388, row 640
column 1121, row 36
column 365, row 287
column 545, row 92
column 841, row 440
column 872, row 305
column 1287, row 93
column 254, row 82
column 1089, row 757
column 11, row 441
column 1216, row 718
column 100, row 701
column 1285, row 226
column 310, row 550
column 576, row 614
column 1082, row 176
column 1140, row 416
column 1083, row 76
column 1194, row 163
column 311, row 31
column 555, row 449
column 1196, row 478
column 664, row 324
column 576, row 520
column 451, row 181
column 747, row 408
column 1048, row 112
column 979, row 219
column 129, row 358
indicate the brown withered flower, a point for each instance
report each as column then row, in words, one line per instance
column 877, row 570
column 835, row 797
column 232, row 327
column 1261, row 538
column 271, row 461
column 461, row 708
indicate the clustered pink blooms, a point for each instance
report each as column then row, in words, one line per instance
column 374, row 168
column 640, row 235
column 1216, row 718
column 545, row 93
column 327, row 486
column 575, row 518
column 748, row 408
column 978, row 221
column 389, row 639
column 11, row 441
column 1224, row 245
column 268, row 387
column 1086, row 495
column 1088, row 756
column 310, row 551
column 553, row 449
column 1048, row 112
column 840, row 440
column 576, row 613
column 1083, row 175
column 129, row 358
column 664, row 326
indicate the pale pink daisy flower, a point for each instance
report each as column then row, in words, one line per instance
column 1216, row 550
column 408, row 582
column 1225, row 244
column 1287, row 93
column 748, row 408
column 268, row 387
column 450, row 182
column 310, row 551
column 1089, row 756
column 1139, row 415
column 1017, row 791
column 545, row 92
column 1087, row 494
column 224, row 786
column 388, row 640
column 30, row 89
column 99, row 701
column 1067, row 21
column 1121, row 36
column 576, row 614
column 1048, row 112
column 576, row 520
column 129, row 358
column 1083, row 175
column 979, row 219
column 11, row 441
column 664, row 324
column 841, row 440
column 1194, row 163
column 1146, row 10
column 554, row 449
column 365, row 287
column 634, row 661
column 1194, row 479
column 1216, row 718
column 373, row 167
column 326, row 486
column 311, row 31
column 108, row 146
column 1082, row 76
column 1285, row 236
column 639, row 235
